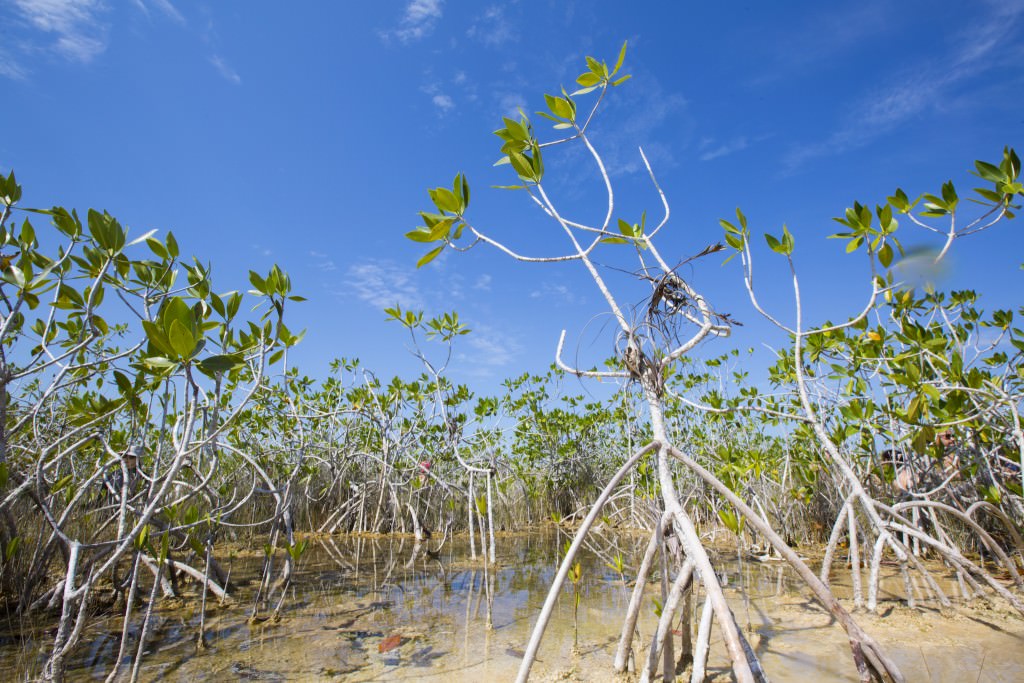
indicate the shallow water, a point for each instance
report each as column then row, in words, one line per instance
column 363, row 609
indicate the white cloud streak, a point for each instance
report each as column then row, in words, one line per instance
column 80, row 35
column 486, row 350
column 915, row 92
column 418, row 21
column 166, row 8
column 492, row 28
column 225, row 70
column 510, row 104
column 737, row 145
column 10, row 68
column 443, row 102
column 383, row 284
column 640, row 119
column 556, row 294
column 170, row 11
column 323, row 262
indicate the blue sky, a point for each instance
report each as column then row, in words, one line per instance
column 307, row 135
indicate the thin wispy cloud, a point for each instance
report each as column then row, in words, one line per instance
column 418, row 21
column 74, row 27
column 323, row 262
column 487, row 351
column 492, row 28
column 483, row 283
column 556, row 294
column 444, row 103
column 920, row 89
column 822, row 34
column 466, row 87
column 725, row 149
column 510, row 103
column 382, row 283
column 225, row 70
column 165, row 7
column 10, row 67
column 640, row 119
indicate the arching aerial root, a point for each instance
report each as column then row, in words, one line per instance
column 869, row 657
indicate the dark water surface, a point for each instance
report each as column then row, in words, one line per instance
column 367, row 609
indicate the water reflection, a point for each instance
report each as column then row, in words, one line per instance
column 366, row 609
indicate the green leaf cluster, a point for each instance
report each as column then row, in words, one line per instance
column 447, row 224
column 598, row 75
column 521, row 150
column 632, row 233
column 880, row 239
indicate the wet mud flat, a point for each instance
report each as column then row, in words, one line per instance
column 368, row 609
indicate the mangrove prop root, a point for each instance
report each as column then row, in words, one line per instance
column 877, row 658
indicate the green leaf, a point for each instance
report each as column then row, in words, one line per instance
column 620, row 81
column 217, row 303
column 622, row 56
column 899, row 201
column 220, row 363
column 181, row 339
column 441, row 229
column 988, row 171
column 522, row 165
column 233, row 304
column 992, row 494
column 949, row 196
column 421, row 235
column 28, row 234
column 587, row 80
column 560, row 107
column 516, row 130
column 537, row 163
column 731, row 521
column 885, row 255
column 124, row 384
column 177, row 309
column 445, row 200
column 258, row 282
column 787, row 241
column 14, row 275
column 172, row 245
column 990, row 195
column 157, row 337
column 143, row 538
column 429, row 256
column 157, row 248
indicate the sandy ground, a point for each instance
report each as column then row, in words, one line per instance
column 365, row 613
